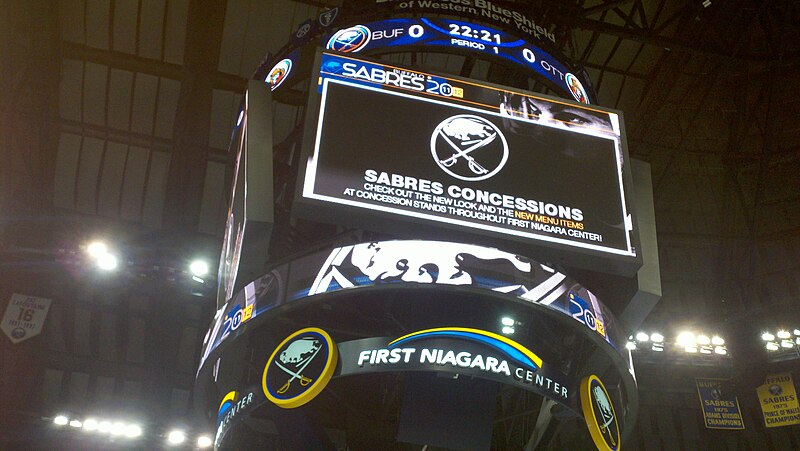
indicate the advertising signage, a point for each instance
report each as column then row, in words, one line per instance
column 399, row 146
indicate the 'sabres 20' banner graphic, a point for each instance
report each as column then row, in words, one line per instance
column 462, row 154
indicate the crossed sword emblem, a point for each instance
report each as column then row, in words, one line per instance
column 474, row 144
column 304, row 381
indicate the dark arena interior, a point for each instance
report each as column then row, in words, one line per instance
column 400, row 224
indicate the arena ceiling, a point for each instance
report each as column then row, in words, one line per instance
column 116, row 116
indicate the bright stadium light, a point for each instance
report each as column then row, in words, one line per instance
column 199, row 268
column 133, row 430
column 508, row 330
column 118, row 428
column 107, row 262
column 691, row 349
column 686, row 339
column 721, row 350
column 772, row 346
column 787, row 344
column 204, row 441
column 76, row 423
column 766, row 336
column 656, row 337
column 717, row 340
column 96, row 248
column 176, row 437
column 703, row 340
column 630, row 346
column 90, row 424
column 658, row 347
column 61, row 420
column 507, row 321
column 783, row 334
column 796, row 332
column 104, row 426
column 642, row 337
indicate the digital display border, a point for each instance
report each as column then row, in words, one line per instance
column 458, row 96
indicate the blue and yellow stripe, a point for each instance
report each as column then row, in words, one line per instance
column 507, row 346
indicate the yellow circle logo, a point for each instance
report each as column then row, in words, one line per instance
column 598, row 411
column 299, row 368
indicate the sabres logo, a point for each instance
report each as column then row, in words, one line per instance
column 598, row 411
column 299, row 368
column 349, row 40
column 469, row 147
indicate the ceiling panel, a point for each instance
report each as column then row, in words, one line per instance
column 144, row 103
column 71, row 89
column 168, row 94
column 94, row 94
column 97, row 22
column 134, row 182
column 153, row 209
column 214, row 201
column 174, row 40
column 111, row 179
column 71, row 19
column 88, row 174
column 126, row 15
column 151, row 28
column 120, row 91
column 69, row 150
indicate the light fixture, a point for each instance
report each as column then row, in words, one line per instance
column 107, row 262
column 60, row 420
column 96, row 248
column 118, row 428
column 717, row 340
column 133, row 430
column 691, row 349
column 631, row 346
column 766, row 336
column 703, row 340
column 642, row 337
column 721, row 350
column 686, row 339
column 198, row 268
column 783, row 334
column 787, row 344
column 176, row 437
column 508, row 330
column 772, row 346
column 507, row 321
column 204, row 441
column 656, row 337
column 75, row 423
column 90, row 424
column 104, row 426
column 796, row 332
column 658, row 347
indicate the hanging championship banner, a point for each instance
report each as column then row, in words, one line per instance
column 24, row 317
column 720, row 410
column 778, row 400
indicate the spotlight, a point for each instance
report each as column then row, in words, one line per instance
column 703, row 340
column 766, row 336
column 107, row 262
column 796, row 332
column 96, row 248
column 691, row 349
column 658, row 347
column 686, row 339
column 783, row 334
column 642, row 337
column 631, row 346
column 705, row 350
column 198, row 268
column 60, row 420
column 176, row 437
column 721, row 350
column 772, row 346
column 133, row 430
column 717, row 341
column 656, row 337
column 75, row 423
column 104, row 426
column 204, row 441
column 506, row 321
column 118, row 429
column 90, row 424
column 787, row 344
column 508, row 330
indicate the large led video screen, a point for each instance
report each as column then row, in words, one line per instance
column 410, row 147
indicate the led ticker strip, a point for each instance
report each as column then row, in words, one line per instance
column 462, row 37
